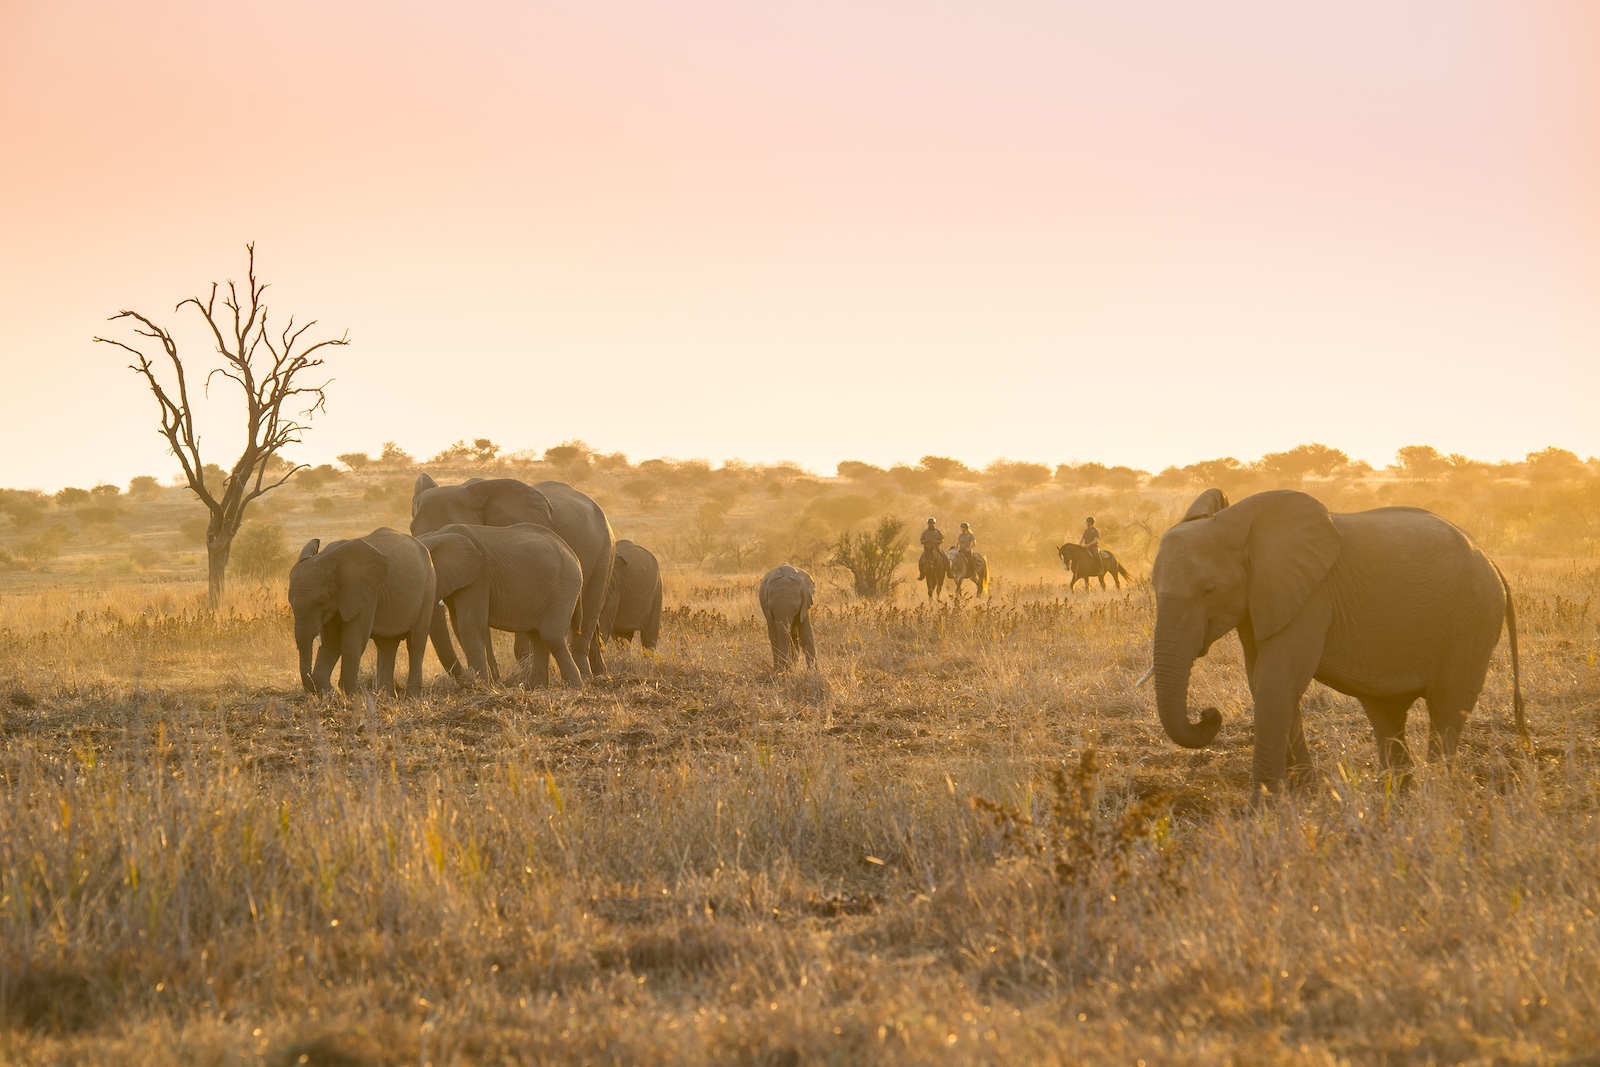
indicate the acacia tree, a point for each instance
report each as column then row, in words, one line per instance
column 270, row 370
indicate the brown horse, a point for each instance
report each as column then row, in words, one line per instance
column 933, row 568
column 1085, row 563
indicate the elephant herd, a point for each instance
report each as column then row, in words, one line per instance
column 1388, row 606
column 540, row 561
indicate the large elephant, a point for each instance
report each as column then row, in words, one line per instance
column 633, row 605
column 1385, row 605
column 521, row 578
column 380, row 588
column 786, row 594
column 556, row 505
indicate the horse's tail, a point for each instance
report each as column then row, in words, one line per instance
column 1121, row 569
column 1516, row 667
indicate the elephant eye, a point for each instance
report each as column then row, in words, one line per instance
column 1209, row 588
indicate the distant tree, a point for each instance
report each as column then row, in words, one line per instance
column 855, row 470
column 144, row 487
column 1553, row 465
column 610, row 461
column 1172, row 478
column 106, row 493
column 1421, row 462
column 914, row 479
column 646, row 492
column 356, row 461
column 315, row 478
column 392, row 455
column 1303, row 460
column 872, row 557
column 71, row 497
column 269, row 371
column 484, row 450
column 945, row 469
column 25, row 506
column 97, row 515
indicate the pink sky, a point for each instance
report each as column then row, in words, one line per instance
column 1130, row 232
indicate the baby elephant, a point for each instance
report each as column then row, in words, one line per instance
column 381, row 587
column 521, row 578
column 633, row 602
column 786, row 594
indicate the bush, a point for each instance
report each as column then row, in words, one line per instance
column 71, row 497
column 872, row 557
column 355, row 460
column 97, row 515
column 193, row 531
column 260, row 551
column 144, row 486
column 143, row 557
column 323, row 503
column 46, row 546
column 315, row 478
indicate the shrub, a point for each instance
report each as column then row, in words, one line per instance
column 394, row 456
column 315, row 478
column 143, row 487
column 193, row 531
column 260, row 551
column 97, row 515
column 856, row 470
column 871, row 557
column 143, row 557
column 645, row 491
column 355, row 460
column 45, row 546
column 322, row 503
column 71, row 497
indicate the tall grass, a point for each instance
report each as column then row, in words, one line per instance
column 908, row 856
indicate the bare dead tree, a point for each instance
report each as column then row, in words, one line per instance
column 268, row 370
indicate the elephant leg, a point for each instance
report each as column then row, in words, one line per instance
column 489, row 657
column 1447, row 715
column 383, row 680
column 651, row 634
column 1282, row 671
column 534, row 667
column 1299, row 771
column 566, row 662
column 352, row 643
column 778, row 636
column 807, row 641
column 1388, row 718
column 416, row 650
column 327, row 656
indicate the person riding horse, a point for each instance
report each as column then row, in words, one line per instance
column 1091, row 541
column 932, row 538
column 967, row 541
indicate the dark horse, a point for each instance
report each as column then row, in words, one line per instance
column 1085, row 563
column 933, row 568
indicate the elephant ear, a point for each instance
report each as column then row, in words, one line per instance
column 310, row 550
column 1291, row 545
column 1206, row 505
column 456, row 561
column 360, row 573
column 423, row 483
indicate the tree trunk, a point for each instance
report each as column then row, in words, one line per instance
column 217, row 551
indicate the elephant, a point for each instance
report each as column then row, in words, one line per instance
column 556, row 505
column 969, row 567
column 786, row 594
column 633, row 603
column 1386, row 606
column 1084, row 563
column 379, row 587
column 521, row 578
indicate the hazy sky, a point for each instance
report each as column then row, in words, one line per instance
column 1142, row 232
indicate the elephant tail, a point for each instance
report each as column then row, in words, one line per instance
column 1516, row 666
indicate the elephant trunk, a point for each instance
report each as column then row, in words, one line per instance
column 1179, row 638
column 439, row 633
column 304, row 638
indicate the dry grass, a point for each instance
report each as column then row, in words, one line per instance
column 906, row 857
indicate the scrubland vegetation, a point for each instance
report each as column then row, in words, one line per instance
column 963, row 839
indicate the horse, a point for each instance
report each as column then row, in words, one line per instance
column 1085, row 563
column 933, row 568
column 973, row 566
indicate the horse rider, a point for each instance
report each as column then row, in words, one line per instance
column 1091, row 540
column 932, row 536
column 966, row 541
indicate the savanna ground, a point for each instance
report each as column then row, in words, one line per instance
column 962, row 839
